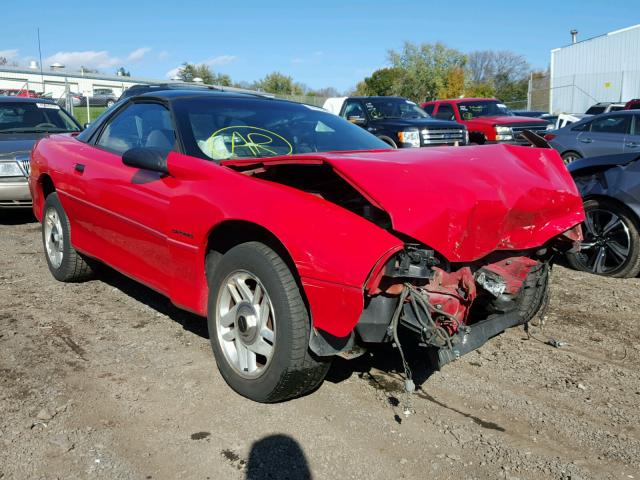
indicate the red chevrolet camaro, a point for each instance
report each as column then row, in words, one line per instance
column 300, row 236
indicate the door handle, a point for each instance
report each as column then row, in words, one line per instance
column 586, row 140
column 79, row 167
column 632, row 144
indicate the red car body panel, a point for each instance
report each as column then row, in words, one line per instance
column 483, row 125
column 465, row 203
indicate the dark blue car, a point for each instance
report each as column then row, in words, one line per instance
column 610, row 187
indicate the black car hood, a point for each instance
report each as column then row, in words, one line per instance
column 18, row 142
column 416, row 123
column 585, row 164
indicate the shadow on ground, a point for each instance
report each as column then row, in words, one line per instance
column 189, row 321
column 17, row 216
column 277, row 456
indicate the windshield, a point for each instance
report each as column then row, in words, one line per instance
column 483, row 108
column 226, row 128
column 26, row 117
column 394, row 108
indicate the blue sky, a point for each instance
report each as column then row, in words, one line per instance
column 326, row 43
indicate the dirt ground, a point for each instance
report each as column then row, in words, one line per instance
column 107, row 380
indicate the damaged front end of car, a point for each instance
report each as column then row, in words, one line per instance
column 454, row 309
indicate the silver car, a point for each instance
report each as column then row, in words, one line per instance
column 606, row 134
column 23, row 121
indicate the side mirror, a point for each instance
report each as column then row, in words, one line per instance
column 357, row 120
column 152, row 159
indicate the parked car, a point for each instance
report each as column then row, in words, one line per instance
column 300, row 235
column 397, row 121
column 23, row 120
column 610, row 187
column 102, row 97
column 605, row 134
column 565, row 119
column 632, row 104
column 530, row 113
column 19, row 92
column 487, row 119
column 604, row 107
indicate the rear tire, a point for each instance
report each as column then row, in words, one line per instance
column 570, row 157
column 65, row 263
column 260, row 340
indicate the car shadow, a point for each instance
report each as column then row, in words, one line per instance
column 18, row 216
column 189, row 321
column 277, row 456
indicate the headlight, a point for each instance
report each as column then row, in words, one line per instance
column 410, row 138
column 10, row 169
column 503, row 133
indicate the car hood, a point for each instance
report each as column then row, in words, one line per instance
column 508, row 120
column 464, row 202
column 417, row 123
column 17, row 143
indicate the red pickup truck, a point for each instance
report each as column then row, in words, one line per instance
column 486, row 119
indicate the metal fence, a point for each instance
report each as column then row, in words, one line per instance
column 576, row 93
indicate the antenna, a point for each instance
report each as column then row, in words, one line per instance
column 40, row 54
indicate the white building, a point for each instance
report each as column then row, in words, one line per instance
column 599, row 69
column 55, row 82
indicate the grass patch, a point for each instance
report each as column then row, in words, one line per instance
column 81, row 113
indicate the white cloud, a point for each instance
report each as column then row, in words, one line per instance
column 9, row 54
column 87, row 58
column 138, row 54
column 221, row 60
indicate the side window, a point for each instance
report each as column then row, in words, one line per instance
column 139, row 125
column 611, row 124
column 636, row 122
column 353, row 109
column 445, row 112
column 583, row 127
column 429, row 109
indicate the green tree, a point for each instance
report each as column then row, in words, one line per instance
column 279, row 83
column 121, row 72
column 479, row 89
column 424, row 69
column 188, row 72
column 381, row 82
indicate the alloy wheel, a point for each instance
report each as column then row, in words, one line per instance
column 54, row 237
column 607, row 243
column 245, row 323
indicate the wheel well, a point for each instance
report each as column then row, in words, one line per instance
column 571, row 151
column 47, row 186
column 388, row 140
column 632, row 214
column 231, row 233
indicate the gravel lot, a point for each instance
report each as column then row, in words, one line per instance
column 107, row 380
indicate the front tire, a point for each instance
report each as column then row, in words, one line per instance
column 259, row 327
column 611, row 246
column 65, row 263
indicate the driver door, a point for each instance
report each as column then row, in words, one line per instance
column 129, row 207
